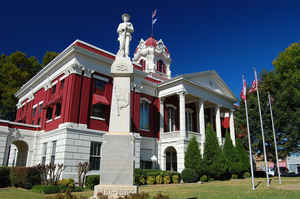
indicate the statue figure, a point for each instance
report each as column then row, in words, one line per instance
column 124, row 29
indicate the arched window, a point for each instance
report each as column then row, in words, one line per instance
column 160, row 65
column 143, row 64
column 144, row 114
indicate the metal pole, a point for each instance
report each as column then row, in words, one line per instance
column 249, row 142
column 262, row 131
column 275, row 142
column 250, row 150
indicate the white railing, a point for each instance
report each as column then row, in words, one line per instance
column 172, row 134
column 176, row 134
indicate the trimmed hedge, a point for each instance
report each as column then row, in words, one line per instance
column 46, row 189
column 91, row 181
column 24, row 177
column 4, row 177
column 189, row 175
column 154, row 176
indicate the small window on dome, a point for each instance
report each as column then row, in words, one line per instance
column 160, row 65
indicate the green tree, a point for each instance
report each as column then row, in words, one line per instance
column 214, row 162
column 192, row 157
column 48, row 57
column 243, row 164
column 283, row 83
column 15, row 70
column 230, row 153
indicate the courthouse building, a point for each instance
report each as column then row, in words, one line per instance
column 64, row 110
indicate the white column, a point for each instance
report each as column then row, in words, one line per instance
column 218, row 124
column 231, row 126
column 201, row 122
column 161, row 110
column 182, row 114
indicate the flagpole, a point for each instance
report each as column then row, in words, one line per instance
column 275, row 142
column 249, row 142
column 262, row 130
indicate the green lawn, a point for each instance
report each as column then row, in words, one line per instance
column 233, row 189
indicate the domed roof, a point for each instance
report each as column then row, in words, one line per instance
column 151, row 42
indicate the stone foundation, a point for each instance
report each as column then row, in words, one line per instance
column 114, row 191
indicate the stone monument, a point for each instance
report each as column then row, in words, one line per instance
column 117, row 163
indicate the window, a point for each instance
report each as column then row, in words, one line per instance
column 54, row 89
column 58, row 109
column 144, row 114
column 33, row 111
column 44, row 153
column 171, row 119
column 146, row 164
column 53, row 152
column 49, row 113
column 100, row 85
column 189, row 120
column 40, row 107
column 95, row 156
column 98, row 110
column 39, row 121
column 160, row 65
column 62, row 84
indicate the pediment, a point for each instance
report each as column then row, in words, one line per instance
column 212, row 81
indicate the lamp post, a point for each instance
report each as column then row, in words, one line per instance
column 154, row 161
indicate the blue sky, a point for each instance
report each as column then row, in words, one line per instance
column 229, row 36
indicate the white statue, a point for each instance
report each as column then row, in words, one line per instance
column 124, row 29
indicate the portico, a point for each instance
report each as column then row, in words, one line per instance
column 186, row 107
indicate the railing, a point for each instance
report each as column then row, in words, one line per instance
column 176, row 134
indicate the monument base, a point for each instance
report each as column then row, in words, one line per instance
column 114, row 191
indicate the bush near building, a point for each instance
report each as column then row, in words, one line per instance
column 4, row 177
column 189, row 175
column 91, row 181
column 146, row 176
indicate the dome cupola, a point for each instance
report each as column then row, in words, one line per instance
column 154, row 57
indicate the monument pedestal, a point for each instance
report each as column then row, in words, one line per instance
column 117, row 166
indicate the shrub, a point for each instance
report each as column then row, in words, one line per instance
column 142, row 180
column 91, row 181
column 167, row 179
column 175, row 179
column 246, row 175
column 150, row 180
column 46, row 189
column 141, row 195
column 211, row 179
column 67, row 182
column 189, row 175
column 159, row 179
column 4, row 177
column 234, row 176
column 203, row 178
column 160, row 196
column 192, row 157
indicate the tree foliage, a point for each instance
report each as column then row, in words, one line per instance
column 192, row 157
column 15, row 70
column 48, row 57
column 214, row 161
column 283, row 83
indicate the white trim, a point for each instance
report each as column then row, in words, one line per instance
column 53, row 83
column 101, row 78
column 49, row 121
column 145, row 99
column 34, row 106
column 63, row 77
column 18, row 123
column 57, row 117
column 189, row 110
column 97, row 118
column 41, row 102
column 171, row 106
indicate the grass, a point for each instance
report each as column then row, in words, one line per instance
column 233, row 189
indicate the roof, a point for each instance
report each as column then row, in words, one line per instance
column 151, row 42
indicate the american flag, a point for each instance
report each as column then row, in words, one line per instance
column 244, row 90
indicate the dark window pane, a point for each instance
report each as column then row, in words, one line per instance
column 58, row 109
column 49, row 113
column 98, row 110
column 99, row 85
column 54, row 89
column 62, row 83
